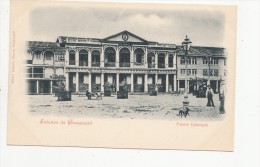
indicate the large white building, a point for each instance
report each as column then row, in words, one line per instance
column 89, row 63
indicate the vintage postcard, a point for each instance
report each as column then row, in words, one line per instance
column 122, row 75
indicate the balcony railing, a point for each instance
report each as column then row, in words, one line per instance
column 83, row 63
column 72, row 62
column 151, row 65
column 110, row 64
column 161, row 65
column 95, row 64
column 124, row 64
column 34, row 75
column 138, row 64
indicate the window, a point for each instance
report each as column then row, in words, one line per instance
column 225, row 62
column 194, row 61
column 194, row 71
column 188, row 60
column 215, row 60
column 205, row 61
column 170, row 61
column 182, row 60
column 182, row 72
column 205, row 72
column 216, row 72
column 72, row 57
column 189, row 72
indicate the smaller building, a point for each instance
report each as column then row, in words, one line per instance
column 205, row 66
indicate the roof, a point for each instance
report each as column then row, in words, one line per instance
column 40, row 44
column 203, row 51
column 125, row 32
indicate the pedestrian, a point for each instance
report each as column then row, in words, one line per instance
column 222, row 99
column 209, row 95
column 88, row 94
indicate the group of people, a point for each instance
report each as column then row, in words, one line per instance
column 209, row 95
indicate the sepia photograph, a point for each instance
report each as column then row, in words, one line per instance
column 122, row 73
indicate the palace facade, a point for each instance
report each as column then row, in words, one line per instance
column 90, row 63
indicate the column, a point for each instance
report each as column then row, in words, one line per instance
column 217, row 86
column 145, row 83
column 166, row 60
column 174, row 60
column 89, row 58
column 37, row 86
column 77, row 58
column 102, row 56
column 167, row 83
column 117, row 81
column 175, row 83
column 132, row 82
column 67, row 57
column 102, row 82
column 131, row 58
column 77, row 82
column 178, row 85
column 145, row 58
column 67, row 81
column 156, row 79
column 51, row 86
column 156, row 60
column 188, row 86
column 89, row 82
column 117, row 57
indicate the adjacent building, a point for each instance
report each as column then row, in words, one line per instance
column 123, row 58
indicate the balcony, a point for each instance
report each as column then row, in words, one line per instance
column 151, row 65
column 83, row 63
column 110, row 64
column 95, row 64
column 124, row 64
column 72, row 62
column 161, row 65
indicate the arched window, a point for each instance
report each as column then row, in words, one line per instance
column 110, row 57
column 95, row 58
column 83, row 57
column 139, row 56
column 170, row 60
column 161, row 60
column 124, row 58
column 49, row 57
column 72, row 57
column 151, row 60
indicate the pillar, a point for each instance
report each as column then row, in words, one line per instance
column 174, row 60
column 102, row 56
column 166, row 60
column 145, row 83
column 89, row 58
column 102, row 81
column 217, row 86
column 89, row 82
column 131, row 58
column 167, row 83
column 145, row 58
column 77, row 58
column 117, row 57
column 37, row 86
column 51, row 86
column 67, row 57
column 77, row 82
column 156, row 60
column 67, row 81
column 132, row 82
column 178, row 85
column 117, row 81
column 175, row 83
column 188, row 86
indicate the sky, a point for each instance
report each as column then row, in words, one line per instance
column 163, row 25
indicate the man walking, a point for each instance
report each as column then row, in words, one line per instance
column 209, row 95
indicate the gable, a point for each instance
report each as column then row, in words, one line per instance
column 125, row 36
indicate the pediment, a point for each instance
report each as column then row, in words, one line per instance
column 125, row 36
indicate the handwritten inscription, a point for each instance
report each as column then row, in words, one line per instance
column 191, row 124
column 69, row 122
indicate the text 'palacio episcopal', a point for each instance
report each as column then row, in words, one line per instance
column 89, row 63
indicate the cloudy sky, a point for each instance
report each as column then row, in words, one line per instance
column 165, row 25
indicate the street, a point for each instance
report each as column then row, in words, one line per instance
column 135, row 107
